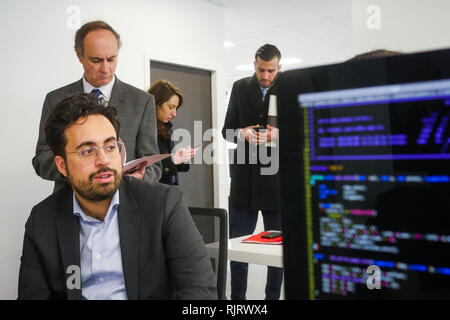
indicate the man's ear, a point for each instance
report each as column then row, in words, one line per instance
column 61, row 165
column 79, row 56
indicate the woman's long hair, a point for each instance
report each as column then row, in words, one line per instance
column 163, row 90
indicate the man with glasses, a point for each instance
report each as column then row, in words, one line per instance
column 108, row 236
column 97, row 47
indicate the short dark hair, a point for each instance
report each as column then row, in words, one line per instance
column 91, row 26
column 67, row 112
column 267, row 52
column 378, row 53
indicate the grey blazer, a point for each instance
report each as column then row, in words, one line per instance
column 136, row 111
column 163, row 254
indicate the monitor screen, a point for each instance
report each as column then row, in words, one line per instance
column 365, row 178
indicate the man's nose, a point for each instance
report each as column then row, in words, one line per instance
column 101, row 157
column 104, row 66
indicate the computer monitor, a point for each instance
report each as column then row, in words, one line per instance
column 365, row 178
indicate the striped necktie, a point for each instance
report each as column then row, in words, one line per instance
column 98, row 95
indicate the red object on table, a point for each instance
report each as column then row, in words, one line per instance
column 256, row 238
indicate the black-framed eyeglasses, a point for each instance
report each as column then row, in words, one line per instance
column 89, row 153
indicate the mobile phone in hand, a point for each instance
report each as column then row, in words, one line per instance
column 259, row 128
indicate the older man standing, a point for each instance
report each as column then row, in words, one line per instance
column 96, row 46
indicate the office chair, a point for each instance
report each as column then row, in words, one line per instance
column 209, row 236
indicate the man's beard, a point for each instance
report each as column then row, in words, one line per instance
column 99, row 192
column 270, row 82
column 265, row 85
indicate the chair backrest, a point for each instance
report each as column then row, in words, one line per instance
column 223, row 243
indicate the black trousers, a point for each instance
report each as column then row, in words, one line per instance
column 242, row 222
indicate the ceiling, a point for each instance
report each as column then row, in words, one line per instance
column 317, row 32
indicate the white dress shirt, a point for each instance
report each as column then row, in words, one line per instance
column 106, row 89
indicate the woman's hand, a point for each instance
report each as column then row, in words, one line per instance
column 183, row 155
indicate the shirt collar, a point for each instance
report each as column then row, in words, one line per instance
column 79, row 212
column 106, row 89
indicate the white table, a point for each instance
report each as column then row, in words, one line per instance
column 265, row 254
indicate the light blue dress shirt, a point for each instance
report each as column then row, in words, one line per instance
column 101, row 259
column 264, row 91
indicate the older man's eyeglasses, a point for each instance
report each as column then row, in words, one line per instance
column 89, row 153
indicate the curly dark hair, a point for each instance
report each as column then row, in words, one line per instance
column 67, row 112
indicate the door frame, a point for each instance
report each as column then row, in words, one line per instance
column 220, row 190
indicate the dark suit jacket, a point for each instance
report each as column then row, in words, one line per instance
column 248, row 187
column 163, row 254
column 136, row 111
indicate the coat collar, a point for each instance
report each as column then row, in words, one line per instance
column 255, row 95
column 68, row 231
column 129, row 237
column 118, row 94
column 76, row 87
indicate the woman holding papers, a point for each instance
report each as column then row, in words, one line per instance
column 168, row 99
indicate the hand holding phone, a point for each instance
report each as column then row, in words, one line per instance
column 258, row 128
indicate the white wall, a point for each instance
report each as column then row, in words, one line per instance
column 401, row 25
column 37, row 56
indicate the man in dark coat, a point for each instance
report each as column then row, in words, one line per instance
column 252, row 189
